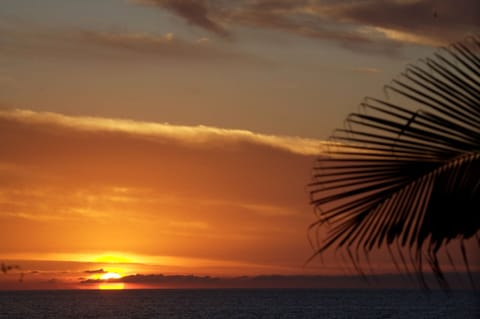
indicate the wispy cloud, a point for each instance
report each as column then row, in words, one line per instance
column 195, row 12
column 375, row 26
column 424, row 21
column 95, row 44
column 167, row 46
column 365, row 69
column 192, row 135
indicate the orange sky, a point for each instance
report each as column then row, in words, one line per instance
column 82, row 194
column 178, row 137
column 182, row 199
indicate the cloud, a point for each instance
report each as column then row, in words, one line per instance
column 167, row 46
column 94, row 44
column 292, row 17
column 280, row 281
column 426, row 21
column 372, row 26
column 159, row 279
column 95, row 271
column 364, row 69
column 195, row 12
column 191, row 135
column 383, row 23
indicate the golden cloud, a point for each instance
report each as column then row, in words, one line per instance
column 192, row 135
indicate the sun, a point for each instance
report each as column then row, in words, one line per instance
column 110, row 281
column 110, row 275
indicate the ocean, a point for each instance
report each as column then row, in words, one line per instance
column 239, row 303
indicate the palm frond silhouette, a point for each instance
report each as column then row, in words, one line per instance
column 404, row 173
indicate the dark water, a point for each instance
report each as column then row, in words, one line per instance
column 239, row 304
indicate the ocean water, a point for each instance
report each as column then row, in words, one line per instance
column 240, row 303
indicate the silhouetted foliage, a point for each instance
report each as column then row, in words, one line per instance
column 404, row 173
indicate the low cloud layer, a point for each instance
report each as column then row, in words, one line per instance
column 95, row 271
column 282, row 281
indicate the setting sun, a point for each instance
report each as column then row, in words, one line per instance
column 108, row 285
column 110, row 275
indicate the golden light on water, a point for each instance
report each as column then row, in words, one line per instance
column 111, row 286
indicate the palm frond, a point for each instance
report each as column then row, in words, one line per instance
column 406, row 170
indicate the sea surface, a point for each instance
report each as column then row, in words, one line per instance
column 239, row 303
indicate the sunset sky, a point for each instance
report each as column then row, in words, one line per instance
column 176, row 138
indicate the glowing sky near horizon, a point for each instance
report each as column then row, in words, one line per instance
column 177, row 136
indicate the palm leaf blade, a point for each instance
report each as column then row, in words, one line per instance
column 407, row 173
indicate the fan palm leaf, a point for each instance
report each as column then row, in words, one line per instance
column 405, row 170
